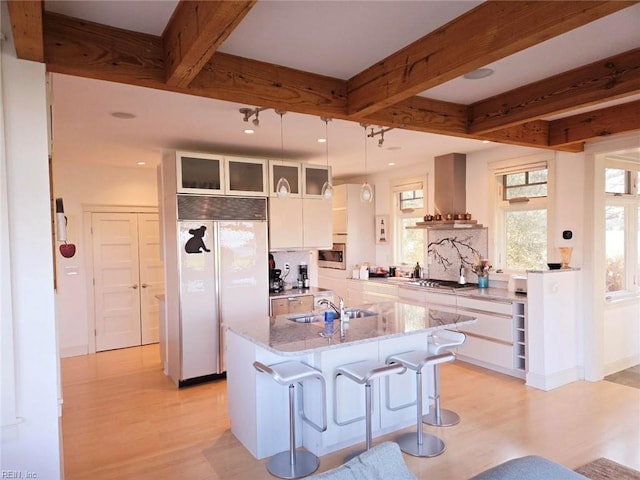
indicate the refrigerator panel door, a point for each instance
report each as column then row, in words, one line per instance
column 244, row 275
column 199, row 331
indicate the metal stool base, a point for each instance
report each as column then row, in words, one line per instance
column 447, row 418
column 431, row 446
column 280, row 464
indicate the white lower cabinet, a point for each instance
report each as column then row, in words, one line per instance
column 497, row 340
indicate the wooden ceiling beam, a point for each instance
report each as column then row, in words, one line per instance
column 86, row 49
column 617, row 119
column 489, row 32
column 26, row 26
column 604, row 80
column 194, row 33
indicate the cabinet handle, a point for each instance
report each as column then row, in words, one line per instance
column 144, row 285
column 134, row 286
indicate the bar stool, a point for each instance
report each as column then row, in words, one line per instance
column 442, row 340
column 363, row 372
column 292, row 463
column 419, row 444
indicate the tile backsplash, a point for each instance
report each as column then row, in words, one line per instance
column 447, row 249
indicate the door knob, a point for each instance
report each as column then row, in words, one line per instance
column 134, row 286
column 144, row 285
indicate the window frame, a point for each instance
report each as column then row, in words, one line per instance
column 499, row 206
column 630, row 201
column 404, row 185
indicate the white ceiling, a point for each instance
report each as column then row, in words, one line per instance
column 335, row 38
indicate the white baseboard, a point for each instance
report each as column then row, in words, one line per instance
column 555, row 380
column 74, row 351
column 621, row 364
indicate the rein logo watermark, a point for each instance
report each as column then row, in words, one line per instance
column 18, row 474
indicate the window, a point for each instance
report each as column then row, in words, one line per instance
column 622, row 228
column 521, row 216
column 409, row 208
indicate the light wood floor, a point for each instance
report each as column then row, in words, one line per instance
column 122, row 418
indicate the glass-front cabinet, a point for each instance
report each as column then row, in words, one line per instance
column 245, row 176
column 314, row 177
column 289, row 170
column 200, row 173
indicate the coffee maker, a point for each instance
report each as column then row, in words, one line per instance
column 275, row 282
column 303, row 276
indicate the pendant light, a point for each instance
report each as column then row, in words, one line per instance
column 366, row 192
column 283, row 189
column 327, row 188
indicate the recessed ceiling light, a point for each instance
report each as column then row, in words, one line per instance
column 123, row 115
column 141, row 163
column 249, row 131
column 391, row 164
column 478, row 74
column 486, row 141
column 322, row 140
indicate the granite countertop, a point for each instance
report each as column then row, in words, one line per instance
column 390, row 319
column 490, row 293
column 297, row 292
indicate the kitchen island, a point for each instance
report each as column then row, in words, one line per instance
column 258, row 407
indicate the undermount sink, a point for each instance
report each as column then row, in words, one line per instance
column 358, row 313
column 306, row 318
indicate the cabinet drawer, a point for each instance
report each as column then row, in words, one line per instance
column 487, row 351
column 412, row 294
column 374, row 287
column 441, row 298
column 279, row 306
column 504, row 308
column 489, row 326
column 300, row 304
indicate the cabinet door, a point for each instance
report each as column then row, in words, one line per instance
column 318, row 227
column 289, row 170
column 300, row 304
column 199, row 173
column 313, row 178
column 246, row 176
column 285, row 223
column 279, row 306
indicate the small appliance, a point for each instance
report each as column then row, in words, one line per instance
column 334, row 258
column 275, row 280
column 303, row 276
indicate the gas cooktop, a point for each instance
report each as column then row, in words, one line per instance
column 442, row 284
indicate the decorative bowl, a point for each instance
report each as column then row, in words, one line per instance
column 554, row 266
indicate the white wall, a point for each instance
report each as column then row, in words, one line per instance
column 81, row 186
column 32, row 443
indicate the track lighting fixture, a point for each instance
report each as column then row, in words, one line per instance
column 327, row 188
column 381, row 133
column 250, row 112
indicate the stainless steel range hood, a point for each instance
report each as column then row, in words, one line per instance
column 450, row 193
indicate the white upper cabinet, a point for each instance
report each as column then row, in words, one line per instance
column 200, row 173
column 292, row 171
column 314, row 177
column 245, row 176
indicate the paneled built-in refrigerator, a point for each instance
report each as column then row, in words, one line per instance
column 223, row 272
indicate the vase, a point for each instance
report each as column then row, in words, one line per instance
column 483, row 282
column 565, row 256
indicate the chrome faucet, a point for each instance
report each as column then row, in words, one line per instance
column 339, row 310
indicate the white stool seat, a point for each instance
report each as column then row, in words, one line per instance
column 363, row 372
column 286, row 373
column 292, row 464
column 445, row 339
column 366, row 370
column 419, row 444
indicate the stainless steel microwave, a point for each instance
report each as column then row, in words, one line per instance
column 334, row 258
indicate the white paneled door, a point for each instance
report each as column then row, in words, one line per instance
column 127, row 273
